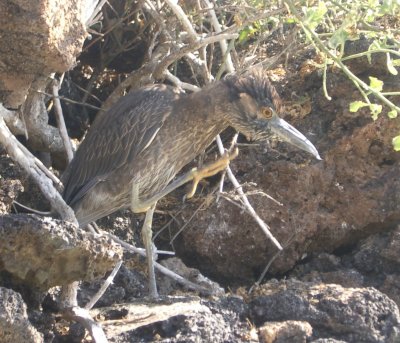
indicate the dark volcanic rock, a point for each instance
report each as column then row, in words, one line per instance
column 352, row 314
column 128, row 285
column 38, row 38
column 373, row 262
column 14, row 324
column 45, row 252
column 327, row 205
column 287, row 331
column 175, row 320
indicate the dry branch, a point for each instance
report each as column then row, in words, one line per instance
column 16, row 125
column 178, row 83
column 61, row 123
column 180, row 14
column 229, row 65
column 83, row 317
column 104, row 287
column 167, row 61
column 156, row 68
column 246, row 202
column 28, row 163
column 159, row 267
column 222, row 43
column 41, row 135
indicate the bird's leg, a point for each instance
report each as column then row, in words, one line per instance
column 195, row 175
column 149, row 205
column 210, row 170
column 149, row 246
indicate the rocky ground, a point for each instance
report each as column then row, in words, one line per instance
column 337, row 280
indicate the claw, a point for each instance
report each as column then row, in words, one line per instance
column 210, row 170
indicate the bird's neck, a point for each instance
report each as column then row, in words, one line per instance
column 210, row 105
column 206, row 109
column 200, row 121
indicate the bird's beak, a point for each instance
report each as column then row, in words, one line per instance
column 288, row 133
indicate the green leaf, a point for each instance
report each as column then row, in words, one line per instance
column 356, row 105
column 315, row 15
column 375, row 110
column 370, row 16
column 246, row 33
column 396, row 62
column 392, row 114
column 390, row 66
column 375, row 45
column 339, row 37
column 389, row 7
column 243, row 35
column 375, row 84
column 396, row 143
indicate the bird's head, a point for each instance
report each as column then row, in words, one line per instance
column 255, row 106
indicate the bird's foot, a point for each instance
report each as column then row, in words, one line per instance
column 211, row 169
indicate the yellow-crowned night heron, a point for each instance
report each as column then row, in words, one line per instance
column 132, row 152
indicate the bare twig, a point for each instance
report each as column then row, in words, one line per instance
column 250, row 20
column 221, row 182
column 188, row 221
column 81, row 103
column 246, row 202
column 181, row 279
column 86, row 92
column 93, row 12
column 39, row 164
column 30, row 164
column 187, row 25
column 229, row 172
column 42, row 136
column 173, row 218
column 229, row 198
column 167, row 61
column 16, row 125
column 178, row 83
column 273, row 258
column 149, row 7
column 61, row 123
column 158, row 266
column 132, row 248
column 193, row 36
column 224, row 46
column 361, row 85
column 104, row 287
column 41, row 213
column 27, row 162
column 269, row 63
column 198, row 66
column 83, row 317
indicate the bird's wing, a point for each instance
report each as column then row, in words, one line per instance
column 115, row 137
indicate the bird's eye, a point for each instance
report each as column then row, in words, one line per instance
column 267, row 112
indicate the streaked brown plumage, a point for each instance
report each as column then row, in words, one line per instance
column 152, row 133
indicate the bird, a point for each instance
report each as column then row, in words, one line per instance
column 132, row 153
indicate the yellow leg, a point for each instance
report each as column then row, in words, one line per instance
column 210, row 170
column 138, row 205
column 148, row 244
column 149, row 205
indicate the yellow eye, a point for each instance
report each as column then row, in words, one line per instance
column 267, row 112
